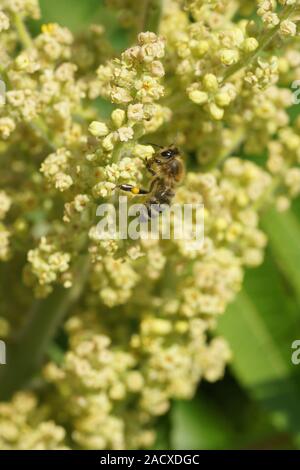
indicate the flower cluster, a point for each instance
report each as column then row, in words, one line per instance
column 47, row 264
column 140, row 315
column 22, row 428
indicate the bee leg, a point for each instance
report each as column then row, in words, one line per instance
column 154, row 210
column 137, row 191
column 129, row 188
column 151, row 213
column 167, row 193
column 149, row 167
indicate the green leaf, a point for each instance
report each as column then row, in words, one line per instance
column 78, row 15
column 75, row 15
column 222, row 416
column 197, row 424
column 162, row 433
column 260, row 327
column 284, row 236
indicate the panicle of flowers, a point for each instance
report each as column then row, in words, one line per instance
column 142, row 332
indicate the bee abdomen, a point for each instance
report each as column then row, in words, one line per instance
column 175, row 170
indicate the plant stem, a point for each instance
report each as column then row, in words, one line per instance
column 40, row 128
column 23, row 34
column 26, row 353
column 150, row 14
column 237, row 140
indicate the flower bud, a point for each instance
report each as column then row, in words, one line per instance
column 250, row 45
column 223, row 99
column 198, row 97
column 288, row 28
column 229, row 56
column 108, row 143
column 22, row 62
column 118, row 117
column 216, row 112
column 210, row 82
column 98, row 129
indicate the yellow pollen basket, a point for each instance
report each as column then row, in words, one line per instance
column 135, row 190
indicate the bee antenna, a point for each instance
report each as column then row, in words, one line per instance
column 176, row 137
column 155, row 145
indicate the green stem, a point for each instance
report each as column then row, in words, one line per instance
column 237, row 140
column 3, row 75
column 150, row 14
column 41, row 129
column 24, row 36
column 26, row 353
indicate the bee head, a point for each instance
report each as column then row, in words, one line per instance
column 170, row 152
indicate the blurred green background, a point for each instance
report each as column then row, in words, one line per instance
column 257, row 404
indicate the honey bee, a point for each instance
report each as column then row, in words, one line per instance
column 167, row 170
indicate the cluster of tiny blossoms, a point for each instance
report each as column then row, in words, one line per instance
column 142, row 330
